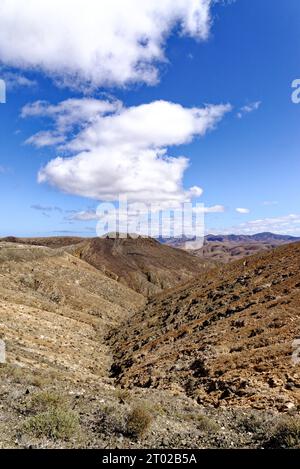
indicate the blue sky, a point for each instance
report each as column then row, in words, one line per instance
column 247, row 158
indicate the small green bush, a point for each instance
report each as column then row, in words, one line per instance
column 123, row 395
column 252, row 422
column 45, row 400
column 203, row 423
column 110, row 420
column 206, row 424
column 286, row 434
column 55, row 424
column 24, row 376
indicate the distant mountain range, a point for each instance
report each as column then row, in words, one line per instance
column 226, row 248
column 263, row 237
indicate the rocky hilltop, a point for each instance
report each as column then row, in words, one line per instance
column 142, row 264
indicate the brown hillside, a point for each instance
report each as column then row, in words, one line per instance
column 50, row 242
column 53, row 308
column 228, row 251
column 225, row 339
column 56, row 311
column 143, row 264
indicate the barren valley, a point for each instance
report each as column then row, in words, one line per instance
column 134, row 344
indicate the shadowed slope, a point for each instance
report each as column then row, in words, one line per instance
column 226, row 338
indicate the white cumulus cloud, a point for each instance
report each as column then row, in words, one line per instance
column 96, row 43
column 243, row 211
column 113, row 150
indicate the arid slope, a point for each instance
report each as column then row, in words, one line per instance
column 204, row 343
column 225, row 339
column 54, row 307
column 142, row 264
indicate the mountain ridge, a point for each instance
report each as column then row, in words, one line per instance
column 143, row 264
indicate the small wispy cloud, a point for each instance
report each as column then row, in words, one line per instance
column 285, row 225
column 15, row 80
column 243, row 211
column 46, row 209
column 84, row 215
column 45, row 139
column 91, row 214
column 270, row 203
column 67, row 232
column 248, row 109
column 212, row 209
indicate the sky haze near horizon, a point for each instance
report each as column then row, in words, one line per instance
column 177, row 101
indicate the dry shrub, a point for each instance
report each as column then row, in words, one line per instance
column 138, row 421
column 55, row 424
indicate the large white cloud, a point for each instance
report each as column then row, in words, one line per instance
column 114, row 150
column 96, row 43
